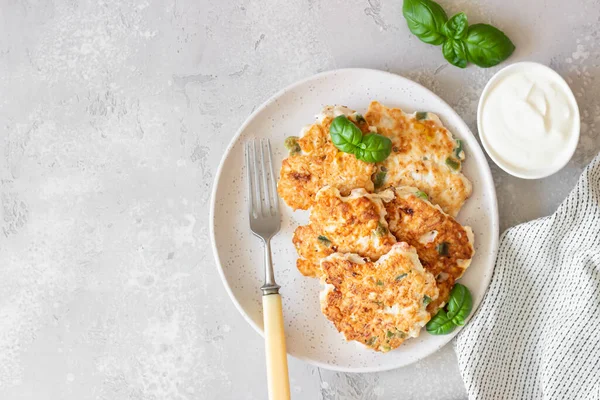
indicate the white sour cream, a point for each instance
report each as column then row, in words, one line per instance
column 528, row 120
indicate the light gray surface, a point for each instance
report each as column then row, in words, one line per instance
column 113, row 119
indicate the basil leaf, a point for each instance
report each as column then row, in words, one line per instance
column 374, row 148
column 440, row 324
column 456, row 27
column 487, row 46
column 425, row 19
column 454, row 51
column 348, row 138
column 345, row 135
column 459, row 304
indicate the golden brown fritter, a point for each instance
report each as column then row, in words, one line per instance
column 352, row 224
column 378, row 304
column 444, row 246
column 320, row 164
column 424, row 155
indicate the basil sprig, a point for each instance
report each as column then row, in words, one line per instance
column 455, row 313
column 347, row 137
column 481, row 44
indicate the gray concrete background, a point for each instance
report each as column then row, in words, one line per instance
column 113, row 119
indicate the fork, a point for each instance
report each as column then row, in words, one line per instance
column 264, row 216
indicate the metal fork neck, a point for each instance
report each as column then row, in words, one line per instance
column 270, row 286
column 270, row 289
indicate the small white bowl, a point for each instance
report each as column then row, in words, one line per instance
column 572, row 144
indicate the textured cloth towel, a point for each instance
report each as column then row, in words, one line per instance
column 536, row 335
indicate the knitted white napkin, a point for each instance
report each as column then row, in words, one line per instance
column 536, row 334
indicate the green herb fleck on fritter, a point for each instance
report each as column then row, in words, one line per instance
column 323, row 240
column 453, row 164
column 400, row 334
column 458, row 151
column 421, row 195
column 371, row 341
column 291, row 143
column 400, row 277
column 442, row 248
column 378, row 179
column 381, row 230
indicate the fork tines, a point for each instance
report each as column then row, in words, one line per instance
column 262, row 188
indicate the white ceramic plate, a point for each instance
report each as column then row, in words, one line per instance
column 310, row 336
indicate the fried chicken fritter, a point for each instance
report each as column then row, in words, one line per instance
column 424, row 155
column 378, row 304
column 444, row 246
column 345, row 224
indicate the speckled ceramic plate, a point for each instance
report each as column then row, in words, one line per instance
column 310, row 336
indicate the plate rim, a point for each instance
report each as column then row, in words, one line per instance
column 487, row 173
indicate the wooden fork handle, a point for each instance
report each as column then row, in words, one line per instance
column 277, row 368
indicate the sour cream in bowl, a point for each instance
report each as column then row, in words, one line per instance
column 528, row 120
